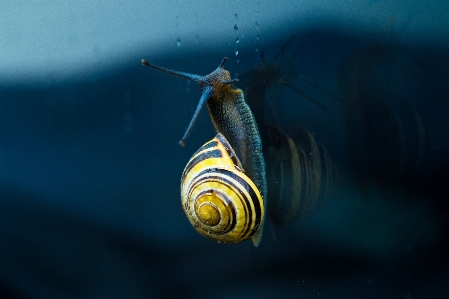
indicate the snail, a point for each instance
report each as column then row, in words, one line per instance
column 224, row 184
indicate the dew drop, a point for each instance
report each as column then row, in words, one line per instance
column 258, row 37
column 178, row 42
column 257, row 49
column 237, row 40
column 236, row 53
column 236, row 29
column 257, row 26
column 197, row 39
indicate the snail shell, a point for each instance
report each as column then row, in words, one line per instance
column 220, row 201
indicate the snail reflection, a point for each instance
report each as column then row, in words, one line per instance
column 386, row 136
column 300, row 172
column 224, row 185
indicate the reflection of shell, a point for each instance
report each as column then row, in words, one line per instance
column 300, row 174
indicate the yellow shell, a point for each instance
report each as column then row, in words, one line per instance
column 220, row 201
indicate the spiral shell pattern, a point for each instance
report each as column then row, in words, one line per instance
column 220, row 201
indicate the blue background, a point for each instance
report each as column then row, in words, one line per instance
column 90, row 165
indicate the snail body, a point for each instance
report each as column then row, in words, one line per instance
column 234, row 121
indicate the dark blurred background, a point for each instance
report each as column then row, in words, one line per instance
column 90, row 165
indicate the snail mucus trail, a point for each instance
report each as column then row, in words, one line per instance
column 232, row 161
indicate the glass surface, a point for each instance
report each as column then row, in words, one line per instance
column 90, row 165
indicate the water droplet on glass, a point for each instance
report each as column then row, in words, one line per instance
column 257, row 49
column 257, row 26
column 258, row 37
column 236, row 16
column 197, row 39
column 236, row 29
column 237, row 40
column 257, row 12
column 178, row 42
column 236, row 53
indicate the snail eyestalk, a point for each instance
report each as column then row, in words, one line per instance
column 187, row 76
column 223, row 62
column 208, row 91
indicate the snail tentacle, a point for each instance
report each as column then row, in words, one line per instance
column 207, row 92
column 187, row 76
